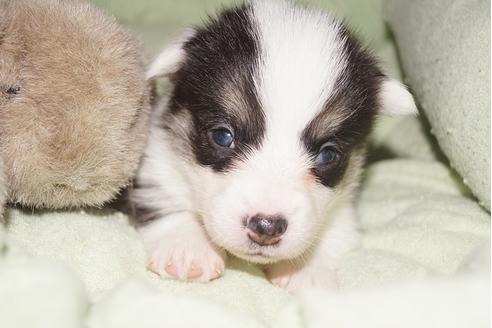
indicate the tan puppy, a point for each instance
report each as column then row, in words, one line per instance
column 74, row 104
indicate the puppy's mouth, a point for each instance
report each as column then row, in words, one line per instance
column 258, row 254
column 256, row 257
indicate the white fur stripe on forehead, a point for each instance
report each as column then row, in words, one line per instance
column 301, row 59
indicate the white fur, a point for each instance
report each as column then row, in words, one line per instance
column 319, row 266
column 178, row 239
column 395, row 98
column 298, row 73
column 168, row 61
column 178, row 246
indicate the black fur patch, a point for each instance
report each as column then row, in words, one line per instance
column 138, row 212
column 223, row 53
column 355, row 97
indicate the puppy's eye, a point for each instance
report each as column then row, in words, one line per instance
column 328, row 154
column 13, row 90
column 222, row 137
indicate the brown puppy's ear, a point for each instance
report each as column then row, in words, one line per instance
column 171, row 57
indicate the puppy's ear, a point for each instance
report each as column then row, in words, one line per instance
column 396, row 99
column 171, row 58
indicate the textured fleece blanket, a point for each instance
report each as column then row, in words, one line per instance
column 445, row 52
column 71, row 268
column 420, row 265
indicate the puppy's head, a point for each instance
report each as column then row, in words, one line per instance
column 273, row 103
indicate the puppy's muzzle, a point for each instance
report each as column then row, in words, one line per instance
column 266, row 230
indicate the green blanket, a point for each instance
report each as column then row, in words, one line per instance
column 445, row 51
column 417, row 222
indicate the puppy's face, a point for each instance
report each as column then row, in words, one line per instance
column 272, row 104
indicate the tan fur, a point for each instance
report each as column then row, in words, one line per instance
column 74, row 133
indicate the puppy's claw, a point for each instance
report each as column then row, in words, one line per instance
column 170, row 269
column 194, row 272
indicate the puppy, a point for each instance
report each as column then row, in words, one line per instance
column 259, row 148
column 74, row 104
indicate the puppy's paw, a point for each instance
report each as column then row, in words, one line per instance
column 294, row 278
column 188, row 258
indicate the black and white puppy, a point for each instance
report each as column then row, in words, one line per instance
column 259, row 147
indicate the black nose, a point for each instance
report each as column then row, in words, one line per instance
column 266, row 230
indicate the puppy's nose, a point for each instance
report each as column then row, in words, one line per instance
column 266, row 230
